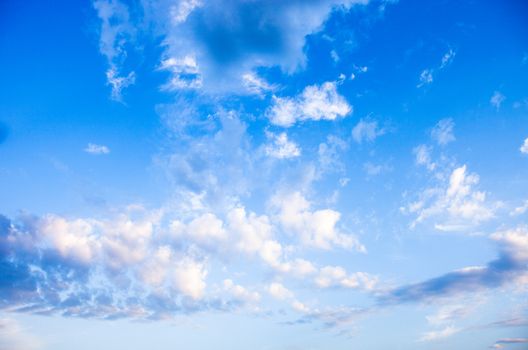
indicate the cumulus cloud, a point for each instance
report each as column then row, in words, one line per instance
column 93, row 148
column 314, row 228
column 455, row 205
column 508, row 268
column 281, row 148
column 278, row 291
column 367, row 130
column 442, row 133
column 316, row 102
column 524, row 146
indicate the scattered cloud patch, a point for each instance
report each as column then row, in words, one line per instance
column 93, row 148
column 442, row 132
column 316, row 102
column 496, row 99
column 366, row 131
column 524, row 146
column 281, row 148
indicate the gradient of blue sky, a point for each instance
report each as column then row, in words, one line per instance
column 327, row 174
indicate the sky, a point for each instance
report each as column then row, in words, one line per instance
column 268, row 175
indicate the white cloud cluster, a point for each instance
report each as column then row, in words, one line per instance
column 282, row 147
column 314, row 103
column 454, row 205
column 313, row 228
column 256, row 85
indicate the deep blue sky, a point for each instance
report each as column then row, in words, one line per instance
column 327, row 174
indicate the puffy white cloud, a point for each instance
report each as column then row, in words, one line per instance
column 366, row 130
column 282, row 148
column 93, row 148
column 455, row 205
column 496, row 99
column 313, row 228
column 524, row 146
column 314, row 103
column 72, row 239
column 278, row 291
column 442, row 133
column 188, row 278
column 241, row 293
column 336, row 276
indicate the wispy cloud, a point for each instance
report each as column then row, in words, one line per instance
column 93, row 148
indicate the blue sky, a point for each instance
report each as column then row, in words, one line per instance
column 278, row 175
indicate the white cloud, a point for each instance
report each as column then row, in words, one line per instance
column 336, row 276
column 524, row 147
column 281, row 148
column 366, row 130
column 116, row 33
column 496, row 99
column 455, row 205
column 185, row 73
column 426, row 77
column 314, row 103
column 447, row 58
column 520, row 210
column 423, row 157
column 188, row 278
column 241, row 293
column 278, row 291
column 313, row 228
column 75, row 239
column 280, row 35
column 440, row 334
column 93, row 148
column 442, row 133
column 257, row 85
